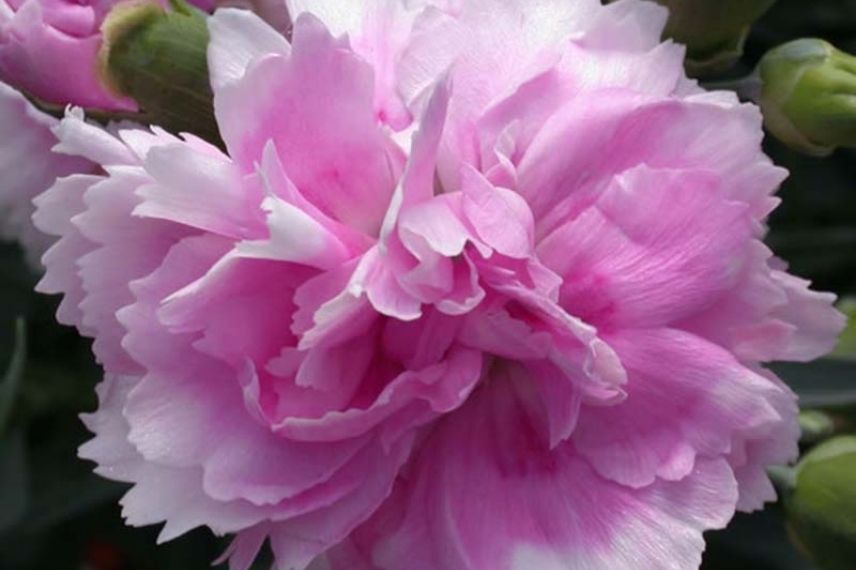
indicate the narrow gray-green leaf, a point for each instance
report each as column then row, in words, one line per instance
column 14, row 484
column 14, row 373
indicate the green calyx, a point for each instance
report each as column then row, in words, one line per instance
column 714, row 31
column 158, row 58
column 822, row 504
column 808, row 95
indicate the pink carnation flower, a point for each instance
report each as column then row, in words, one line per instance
column 477, row 286
column 49, row 48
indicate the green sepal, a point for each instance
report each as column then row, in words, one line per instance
column 159, row 58
column 714, row 31
column 821, row 508
column 808, row 95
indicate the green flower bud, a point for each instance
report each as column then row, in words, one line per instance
column 846, row 348
column 808, row 95
column 714, row 31
column 158, row 57
column 822, row 507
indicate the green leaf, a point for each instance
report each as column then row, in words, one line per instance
column 822, row 506
column 14, row 484
column 63, row 487
column 14, row 373
column 826, row 384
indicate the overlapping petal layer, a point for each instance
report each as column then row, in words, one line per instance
column 474, row 285
column 27, row 168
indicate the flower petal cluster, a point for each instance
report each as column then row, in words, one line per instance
column 474, row 285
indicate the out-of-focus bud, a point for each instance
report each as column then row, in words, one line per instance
column 808, row 95
column 158, row 58
column 822, row 506
column 48, row 50
column 713, row 30
column 846, row 348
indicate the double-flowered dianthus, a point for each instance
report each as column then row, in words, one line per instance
column 473, row 285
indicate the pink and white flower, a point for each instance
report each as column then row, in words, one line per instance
column 476, row 285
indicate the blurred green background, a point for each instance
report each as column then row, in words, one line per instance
column 55, row 514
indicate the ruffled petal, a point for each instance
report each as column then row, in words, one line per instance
column 238, row 39
column 319, row 90
column 608, row 132
column 28, row 168
column 686, row 399
column 486, row 492
column 770, row 315
column 656, row 246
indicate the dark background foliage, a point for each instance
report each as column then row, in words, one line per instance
column 55, row 514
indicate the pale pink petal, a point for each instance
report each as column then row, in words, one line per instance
column 339, row 17
column 317, row 91
column 295, row 236
column 77, row 137
column 55, row 210
column 816, row 322
column 626, row 264
column 630, row 25
column 238, row 305
column 613, row 131
column 238, row 38
column 175, row 495
column 486, row 65
column 486, row 492
column 164, row 435
column 686, row 399
column 772, row 444
column 375, row 280
column 770, row 315
column 28, row 168
column 500, row 217
column 277, row 183
column 200, row 190
column 417, row 181
column 328, row 312
column 441, row 387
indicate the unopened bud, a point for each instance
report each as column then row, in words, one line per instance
column 158, row 57
column 808, row 95
column 714, row 31
column 822, row 505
